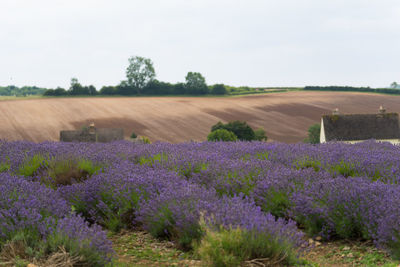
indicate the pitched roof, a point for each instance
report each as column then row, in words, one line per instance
column 361, row 126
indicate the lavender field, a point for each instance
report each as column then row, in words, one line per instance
column 228, row 202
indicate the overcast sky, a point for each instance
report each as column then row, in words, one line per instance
column 236, row 42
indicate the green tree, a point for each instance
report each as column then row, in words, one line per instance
column 221, row 135
column 196, row 84
column 139, row 72
column 394, row 85
column 108, row 90
column 76, row 88
column 260, row 134
column 219, row 89
column 240, row 128
column 313, row 134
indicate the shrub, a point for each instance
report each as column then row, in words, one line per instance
column 240, row 128
column 133, row 135
column 260, row 134
column 313, row 134
column 145, row 140
column 221, row 135
column 233, row 246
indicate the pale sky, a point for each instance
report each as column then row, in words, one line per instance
column 236, row 42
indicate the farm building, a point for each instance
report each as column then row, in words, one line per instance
column 353, row 128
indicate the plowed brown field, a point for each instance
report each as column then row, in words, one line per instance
column 285, row 116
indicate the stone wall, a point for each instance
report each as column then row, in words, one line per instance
column 103, row 135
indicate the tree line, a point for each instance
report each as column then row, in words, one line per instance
column 140, row 80
column 354, row 89
column 12, row 90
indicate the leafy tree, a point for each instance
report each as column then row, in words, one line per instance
column 260, row 134
column 219, row 89
column 196, row 84
column 240, row 128
column 133, row 135
column 76, row 88
column 49, row 92
column 139, row 72
column 313, row 134
column 60, row 91
column 125, row 89
column 92, row 90
column 221, row 135
column 108, row 90
column 156, row 87
column 179, row 89
column 394, row 85
column 217, row 126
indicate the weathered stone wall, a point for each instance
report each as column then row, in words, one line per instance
column 103, row 135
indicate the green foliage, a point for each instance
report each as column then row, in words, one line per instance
column 260, row 135
column 139, row 72
column 221, row 135
column 133, row 135
column 232, row 247
column 263, row 155
column 307, row 162
column 276, row 202
column 153, row 160
column 145, row 140
column 31, row 165
column 56, row 92
column 27, row 245
column 12, row 90
column 347, row 169
column 68, row 171
column 4, row 167
column 88, row 166
column 108, row 90
column 219, row 89
column 82, row 250
column 314, row 134
column 196, row 84
column 57, row 172
column 120, row 212
column 354, row 89
column 240, row 128
column 77, row 89
column 162, row 225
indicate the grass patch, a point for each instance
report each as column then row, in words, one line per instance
column 345, row 253
column 138, row 248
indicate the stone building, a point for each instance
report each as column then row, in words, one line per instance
column 353, row 128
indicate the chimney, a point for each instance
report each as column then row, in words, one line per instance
column 335, row 111
column 382, row 110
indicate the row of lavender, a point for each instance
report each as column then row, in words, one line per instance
column 333, row 190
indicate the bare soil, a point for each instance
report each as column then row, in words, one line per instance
column 285, row 116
